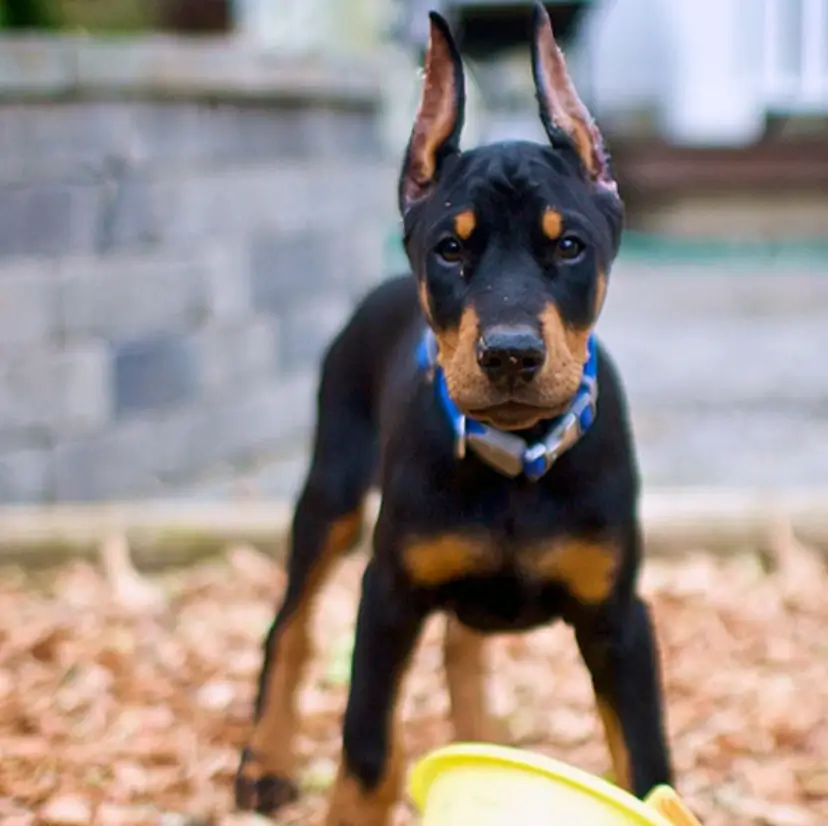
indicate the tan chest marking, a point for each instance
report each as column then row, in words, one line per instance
column 587, row 568
column 440, row 559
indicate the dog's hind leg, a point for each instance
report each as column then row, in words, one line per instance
column 464, row 661
column 327, row 523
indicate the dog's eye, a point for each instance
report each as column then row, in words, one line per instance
column 450, row 250
column 570, row 248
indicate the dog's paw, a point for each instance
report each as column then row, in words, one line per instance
column 257, row 791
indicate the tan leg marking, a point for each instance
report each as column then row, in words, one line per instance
column 271, row 742
column 352, row 805
column 464, row 659
column 617, row 746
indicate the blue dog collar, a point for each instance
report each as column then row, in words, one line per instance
column 507, row 452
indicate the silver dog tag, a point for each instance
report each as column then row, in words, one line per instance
column 502, row 450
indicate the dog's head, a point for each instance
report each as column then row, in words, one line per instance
column 511, row 243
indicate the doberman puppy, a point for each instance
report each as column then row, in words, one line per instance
column 509, row 488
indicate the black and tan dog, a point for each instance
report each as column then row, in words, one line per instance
column 509, row 490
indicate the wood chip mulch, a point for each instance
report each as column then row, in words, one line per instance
column 124, row 700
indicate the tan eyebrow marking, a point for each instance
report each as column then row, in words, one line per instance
column 464, row 224
column 552, row 224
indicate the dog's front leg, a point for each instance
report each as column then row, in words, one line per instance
column 368, row 784
column 619, row 648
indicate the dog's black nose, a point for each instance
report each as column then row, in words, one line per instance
column 510, row 354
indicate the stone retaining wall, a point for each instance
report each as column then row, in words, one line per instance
column 182, row 228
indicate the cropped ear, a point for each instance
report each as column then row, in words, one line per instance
column 561, row 110
column 439, row 120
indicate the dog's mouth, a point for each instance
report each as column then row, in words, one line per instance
column 512, row 415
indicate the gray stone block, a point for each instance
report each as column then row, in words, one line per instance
column 226, row 266
column 220, row 68
column 83, row 135
column 15, row 437
column 326, row 196
column 116, row 180
column 129, row 213
column 282, row 478
column 307, row 329
column 294, row 197
column 276, row 478
column 273, row 414
column 36, row 146
column 121, row 297
column 169, row 134
column 273, row 134
column 190, row 441
column 184, row 443
column 48, row 218
column 28, row 302
column 113, row 465
column 65, row 389
column 164, row 135
column 153, row 373
column 86, row 387
column 26, row 476
column 17, row 171
column 331, row 133
column 231, row 356
column 287, row 267
column 359, row 256
column 154, row 211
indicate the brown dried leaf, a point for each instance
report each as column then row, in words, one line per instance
column 129, row 589
column 67, row 810
column 814, row 782
column 19, row 818
column 800, row 572
column 252, row 565
column 109, row 814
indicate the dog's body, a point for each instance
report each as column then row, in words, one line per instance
column 511, row 246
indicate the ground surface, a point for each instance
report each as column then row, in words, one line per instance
column 119, row 702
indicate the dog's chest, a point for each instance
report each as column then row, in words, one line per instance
column 503, row 603
column 584, row 568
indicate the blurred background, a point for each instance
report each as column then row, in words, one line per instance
column 194, row 193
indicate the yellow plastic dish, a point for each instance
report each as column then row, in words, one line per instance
column 475, row 784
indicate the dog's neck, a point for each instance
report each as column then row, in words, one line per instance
column 510, row 453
